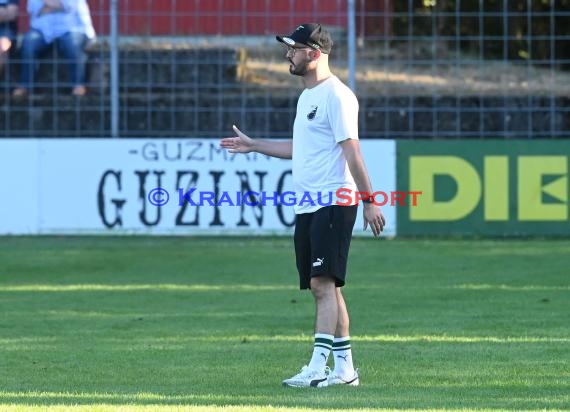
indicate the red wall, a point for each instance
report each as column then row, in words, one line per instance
column 223, row 17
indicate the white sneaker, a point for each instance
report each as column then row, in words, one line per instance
column 307, row 378
column 334, row 379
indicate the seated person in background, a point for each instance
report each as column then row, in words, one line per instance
column 66, row 23
column 8, row 28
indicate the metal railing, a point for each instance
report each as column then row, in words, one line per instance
column 421, row 69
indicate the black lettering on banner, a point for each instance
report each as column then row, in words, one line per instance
column 246, row 187
column 119, row 203
column 192, row 183
column 280, row 184
column 142, row 174
column 216, row 175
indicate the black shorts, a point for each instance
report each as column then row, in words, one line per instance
column 322, row 240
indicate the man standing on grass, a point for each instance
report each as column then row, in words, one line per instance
column 326, row 157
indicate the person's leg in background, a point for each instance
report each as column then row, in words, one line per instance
column 72, row 47
column 5, row 46
column 33, row 44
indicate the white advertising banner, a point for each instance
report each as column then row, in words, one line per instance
column 158, row 186
column 20, row 177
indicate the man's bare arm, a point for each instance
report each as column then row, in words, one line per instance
column 241, row 143
column 372, row 214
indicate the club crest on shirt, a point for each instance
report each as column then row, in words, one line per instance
column 312, row 113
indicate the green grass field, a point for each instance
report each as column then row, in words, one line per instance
column 212, row 324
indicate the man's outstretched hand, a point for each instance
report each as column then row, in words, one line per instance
column 240, row 143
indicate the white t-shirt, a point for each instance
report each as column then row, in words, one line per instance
column 326, row 115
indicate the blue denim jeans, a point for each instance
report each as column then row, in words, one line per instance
column 71, row 47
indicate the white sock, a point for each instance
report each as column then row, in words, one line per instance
column 321, row 351
column 342, row 354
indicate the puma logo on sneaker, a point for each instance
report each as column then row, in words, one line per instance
column 335, row 379
column 309, row 378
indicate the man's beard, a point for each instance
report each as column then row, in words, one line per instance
column 300, row 69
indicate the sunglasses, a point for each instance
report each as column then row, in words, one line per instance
column 293, row 50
